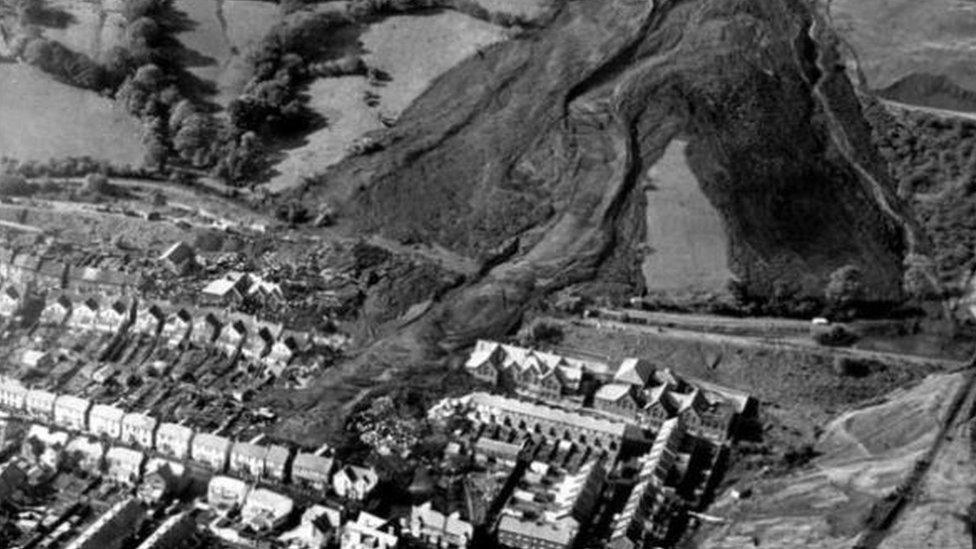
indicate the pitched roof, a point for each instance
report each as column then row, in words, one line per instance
column 106, row 412
column 450, row 524
column 277, row 454
column 612, row 391
column 178, row 253
column 248, row 450
column 311, row 462
column 139, row 421
column 551, row 414
column 635, row 371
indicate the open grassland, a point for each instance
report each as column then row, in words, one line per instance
column 414, row 50
column 222, row 35
column 95, row 26
column 41, row 118
column 687, row 248
column 894, row 40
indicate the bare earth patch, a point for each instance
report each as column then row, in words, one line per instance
column 414, row 50
column 41, row 118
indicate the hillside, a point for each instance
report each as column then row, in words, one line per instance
column 546, row 137
column 41, row 118
column 913, row 52
column 864, row 456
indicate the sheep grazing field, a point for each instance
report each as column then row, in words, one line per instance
column 414, row 50
column 41, row 118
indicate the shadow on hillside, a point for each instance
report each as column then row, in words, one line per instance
column 180, row 59
column 53, row 17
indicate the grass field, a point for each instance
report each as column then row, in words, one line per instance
column 414, row 50
column 895, row 39
column 41, row 118
column 97, row 26
column 222, row 37
column 687, row 244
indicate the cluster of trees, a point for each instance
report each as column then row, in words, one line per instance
column 13, row 184
column 70, row 67
column 933, row 162
column 284, row 61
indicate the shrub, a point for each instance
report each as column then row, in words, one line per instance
column 545, row 333
column 68, row 66
column 845, row 286
column 833, row 336
column 15, row 185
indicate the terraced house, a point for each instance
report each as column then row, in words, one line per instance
column 57, row 310
column 211, row 450
column 71, row 412
column 174, row 440
column 105, row 420
column 528, row 371
column 139, row 430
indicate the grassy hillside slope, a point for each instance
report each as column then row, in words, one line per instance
column 914, row 52
column 41, row 118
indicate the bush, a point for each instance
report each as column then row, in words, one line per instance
column 15, row 185
column 68, row 66
column 847, row 366
column 545, row 333
column 833, row 336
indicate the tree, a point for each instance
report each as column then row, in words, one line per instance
column 156, row 144
column 194, row 139
column 845, row 286
column 14, row 185
column 180, row 112
column 917, row 280
column 150, row 77
column 141, row 39
column 98, row 183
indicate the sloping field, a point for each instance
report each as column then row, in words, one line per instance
column 222, row 36
column 97, row 26
column 41, row 118
column 686, row 239
column 866, row 454
column 414, row 50
column 897, row 40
